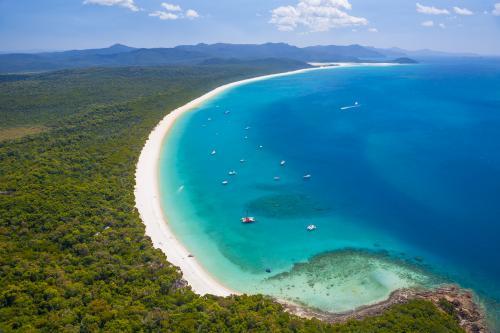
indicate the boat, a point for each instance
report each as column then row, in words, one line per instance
column 247, row 128
column 225, row 182
column 232, row 173
column 277, row 178
column 213, row 152
column 209, row 119
column 311, row 227
column 282, row 163
column 356, row 104
column 308, row 176
column 261, row 146
column 227, row 112
column 242, row 160
column 248, row 219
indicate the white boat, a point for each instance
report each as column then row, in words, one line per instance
column 282, row 163
column 227, row 112
column 242, row 160
column 232, row 173
column 225, row 182
column 261, row 146
column 308, row 176
column 247, row 128
column 213, row 152
column 277, row 178
column 311, row 227
column 209, row 119
column 248, row 219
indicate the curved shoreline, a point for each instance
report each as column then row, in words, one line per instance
column 147, row 194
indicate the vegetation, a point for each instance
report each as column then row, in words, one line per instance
column 73, row 255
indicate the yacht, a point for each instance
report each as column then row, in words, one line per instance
column 311, row 227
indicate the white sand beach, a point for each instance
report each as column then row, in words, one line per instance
column 147, row 195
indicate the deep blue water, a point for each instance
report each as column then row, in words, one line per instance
column 413, row 173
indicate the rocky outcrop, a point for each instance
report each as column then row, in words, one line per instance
column 450, row 298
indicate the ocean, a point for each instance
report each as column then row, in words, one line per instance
column 404, row 186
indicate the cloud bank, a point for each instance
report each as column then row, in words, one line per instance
column 427, row 24
column 462, row 11
column 315, row 16
column 122, row 3
column 496, row 10
column 174, row 12
column 430, row 10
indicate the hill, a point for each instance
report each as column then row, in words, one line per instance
column 123, row 56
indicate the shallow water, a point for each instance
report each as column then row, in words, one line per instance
column 404, row 188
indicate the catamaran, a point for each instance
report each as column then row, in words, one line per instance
column 311, row 227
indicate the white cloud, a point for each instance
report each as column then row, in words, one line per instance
column 462, row 11
column 174, row 12
column 164, row 15
column 315, row 15
column 122, row 3
column 170, row 7
column 373, row 30
column 496, row 11
column 429, row 10
column 427, row 24
column 442, row 25
column 192, row 14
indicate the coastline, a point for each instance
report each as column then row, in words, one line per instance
column 147, row 194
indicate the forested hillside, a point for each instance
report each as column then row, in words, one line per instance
column 73, row 255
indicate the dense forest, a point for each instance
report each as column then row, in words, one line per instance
column 73, row 254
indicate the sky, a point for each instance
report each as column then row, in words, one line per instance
column 444, row 25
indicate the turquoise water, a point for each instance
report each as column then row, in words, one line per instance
column 404, row 188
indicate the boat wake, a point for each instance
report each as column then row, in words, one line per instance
column 356, row 105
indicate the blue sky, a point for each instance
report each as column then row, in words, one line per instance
column 447, row 25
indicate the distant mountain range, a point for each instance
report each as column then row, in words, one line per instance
column 121, row 55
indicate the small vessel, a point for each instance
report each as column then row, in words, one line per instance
column 282, row 163
column 227, row 112
column 308, row 176
column 242, row 160
column 311, row 227
column 261, row 146
column 213, row 152
column 246, row 137
column 356, row 104
column 277, row 178
column 225, row 182
column 247, row 128
column 232, row 173
column 209, row 119
column 268, row 270
column 248, row 219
